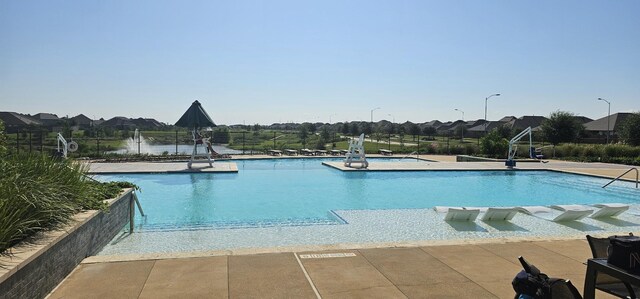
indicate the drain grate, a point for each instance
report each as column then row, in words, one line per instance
column 326, row 255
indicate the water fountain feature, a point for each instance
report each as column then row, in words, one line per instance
column 137, row 144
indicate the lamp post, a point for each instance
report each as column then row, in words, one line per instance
column 485, row 110
column 461, row 129
column 608, row 118
column 374, row 109
column 392, row 117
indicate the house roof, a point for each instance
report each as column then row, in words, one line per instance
column 601, row 124
column 81, row 119
column 526, row 121
column 46, row 116
column 117, row 121
column 490, row 125
column 433, row 123
column 17, row 119
column 583, row 119
column 507, row 119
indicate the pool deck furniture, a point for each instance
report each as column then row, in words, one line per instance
column 604, row 210
column 600, row 265
column 458, row 213
column 555, row 215
column 291, row 152
column 274, row 153
column 499, row 214
column 385, row 152
column 343, row 152
column 320, row 152
column 335, row 152
column 307, row 152
column 608, row 284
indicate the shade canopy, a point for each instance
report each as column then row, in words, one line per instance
column 195, row 117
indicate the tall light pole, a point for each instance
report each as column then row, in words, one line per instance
column 374, row 109
column 485, row 110
column 392, row 117
column 461, row 129
column 608, row 118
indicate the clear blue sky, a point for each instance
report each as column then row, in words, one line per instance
column 276, row 61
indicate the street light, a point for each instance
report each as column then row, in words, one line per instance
column 485, row 110
column 608, row 117
column 461, row 129
column 374, row 109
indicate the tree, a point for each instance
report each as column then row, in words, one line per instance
column 3, row 139
column 460, row 130
column 630, row 131
column 303, row 134
column 429, row 131
column 221, row 136
column 355, row 130
column 505, row 131
column 346, row 129
column 414, row 130
column 494, row 145
column 561, row 126
column 256, row 127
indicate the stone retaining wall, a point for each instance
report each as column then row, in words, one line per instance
column 34, row 270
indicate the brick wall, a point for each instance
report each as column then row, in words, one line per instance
column 37, row 275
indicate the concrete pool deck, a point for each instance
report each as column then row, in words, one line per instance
column 482, row 270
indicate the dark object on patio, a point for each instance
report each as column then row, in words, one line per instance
column 531, row 283
column 604, row 282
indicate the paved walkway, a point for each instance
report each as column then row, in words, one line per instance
column 452, row 271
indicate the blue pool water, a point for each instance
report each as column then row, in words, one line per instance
column 304, row 192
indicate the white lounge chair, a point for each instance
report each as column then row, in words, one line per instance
column 604, row 210
column 458, row 213
column 499, row 214
column 555, row 215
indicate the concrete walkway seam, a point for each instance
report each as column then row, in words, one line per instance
column 313, row 286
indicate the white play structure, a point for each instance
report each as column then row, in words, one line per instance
column 206, row 150
column 355, row 154
column 513, row 148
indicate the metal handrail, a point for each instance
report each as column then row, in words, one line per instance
column 132, row 211
column 414, row 152
column 630, row 169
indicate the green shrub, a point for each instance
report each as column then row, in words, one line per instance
column 494, row 145
column 39, row 193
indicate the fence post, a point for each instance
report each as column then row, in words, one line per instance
column 17, row 143
column 274, row 139
column 98, row 147
column 30, row 142
column 243, row 134
column 176, row 142
column 41, row 140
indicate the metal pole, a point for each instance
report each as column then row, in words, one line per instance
column 17, row 143
column 608, row 123
column 30, row 142
column 176, row 142
column 41, row 140
column 389, row 142
column 243, row 133
column 274, row 139
column 98, row 147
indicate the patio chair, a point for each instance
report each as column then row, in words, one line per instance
column 458, row 213
column 499, row 214
column 555, row 215
column 604, row 210
column 604, row 282
column 609, row 210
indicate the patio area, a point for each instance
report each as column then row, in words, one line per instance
column 483, row 270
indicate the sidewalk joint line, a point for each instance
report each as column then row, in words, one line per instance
column 313, row 286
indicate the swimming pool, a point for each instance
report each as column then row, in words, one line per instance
column 303, row 192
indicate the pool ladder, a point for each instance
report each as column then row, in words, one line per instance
column 630, row 169
column 414, row 152
column 132, row 210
